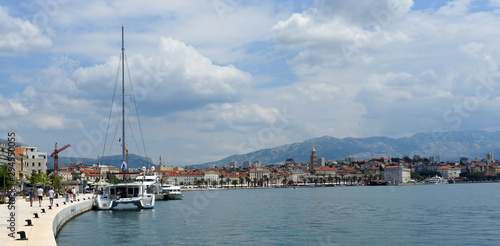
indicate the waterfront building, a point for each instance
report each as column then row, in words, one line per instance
column 36, row 160
column 296, row 175
column 106, row 168
column 182, row 178
column 314, row 160
column 449, row 172
column 20, row 172
column 372, row 171
column 210, row 175
column 397, row 174
column 91, row 176
column 65, row 175
column 325, row 171
column 258, row 173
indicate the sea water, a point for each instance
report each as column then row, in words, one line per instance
column 450, row 214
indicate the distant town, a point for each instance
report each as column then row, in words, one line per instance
column 31, row 168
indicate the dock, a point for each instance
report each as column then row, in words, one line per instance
column 21, row 224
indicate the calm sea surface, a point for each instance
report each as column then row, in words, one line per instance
column 455, row 214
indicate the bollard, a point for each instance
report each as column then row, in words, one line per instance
column 50, row 207
column 36, row 215
column 57, row 204
column 64, row 203
column 71, row 201
column 84, row 198
column 78, row 199
column 29, row 222
column 22, row 234
column 43, row 210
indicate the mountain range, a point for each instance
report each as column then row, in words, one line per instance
column 447, row 145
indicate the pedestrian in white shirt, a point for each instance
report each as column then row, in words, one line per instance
column 51, row 196
column 40, row 195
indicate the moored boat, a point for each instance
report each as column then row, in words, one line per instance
column 125, row 195
column 138, row 194
column 173, row 192
column 435, row 180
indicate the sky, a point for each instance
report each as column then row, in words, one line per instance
column 213, row 78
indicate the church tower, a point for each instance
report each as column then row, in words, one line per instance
column 314, row 160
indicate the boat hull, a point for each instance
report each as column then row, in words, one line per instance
column 132, row 195
column 174, row 196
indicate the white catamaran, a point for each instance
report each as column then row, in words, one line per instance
column 137, row 193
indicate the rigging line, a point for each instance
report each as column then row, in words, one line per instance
column 114, row 139
column 135, row 139
column 110, row 112
column 137, row 112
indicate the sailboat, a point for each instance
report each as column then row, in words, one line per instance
column 124, row 194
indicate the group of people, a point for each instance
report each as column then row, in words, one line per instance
column 40, row 192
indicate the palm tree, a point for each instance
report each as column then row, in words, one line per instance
column 241, row 180
column 266, row 179
column 254, row 182
column 228, row 181
column 284, row 180
column 221, row 177
column 330, row 178
column 235, row 182
column 248, row 181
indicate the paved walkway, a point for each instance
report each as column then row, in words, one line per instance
column 13, row 219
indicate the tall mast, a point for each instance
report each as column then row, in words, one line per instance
column 123, row 101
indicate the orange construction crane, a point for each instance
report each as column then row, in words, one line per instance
column 55, row 154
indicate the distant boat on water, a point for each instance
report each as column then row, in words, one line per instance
column 435, row 180
column 173, row 192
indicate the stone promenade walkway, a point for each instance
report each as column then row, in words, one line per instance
column 45, row 227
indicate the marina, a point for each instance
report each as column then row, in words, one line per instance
column 348, row 215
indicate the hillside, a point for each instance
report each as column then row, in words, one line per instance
column 448, row 145
column 135, row 161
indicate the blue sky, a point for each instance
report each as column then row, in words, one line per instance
column 221, row 77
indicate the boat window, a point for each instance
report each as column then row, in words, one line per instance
column 131, row 190
column 112, row 191
column 136, row 190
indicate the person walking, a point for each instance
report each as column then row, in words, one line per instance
column 32, row 196
column 73, row 191
column 12, row 195
column 67, row 191
column 51, row 196
column 40, row 195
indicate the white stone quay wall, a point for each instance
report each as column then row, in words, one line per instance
column 68, row 213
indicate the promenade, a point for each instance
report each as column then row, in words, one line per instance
column 45, row 227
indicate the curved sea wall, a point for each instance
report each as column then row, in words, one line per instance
column 22, row 224
column 68, row 213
